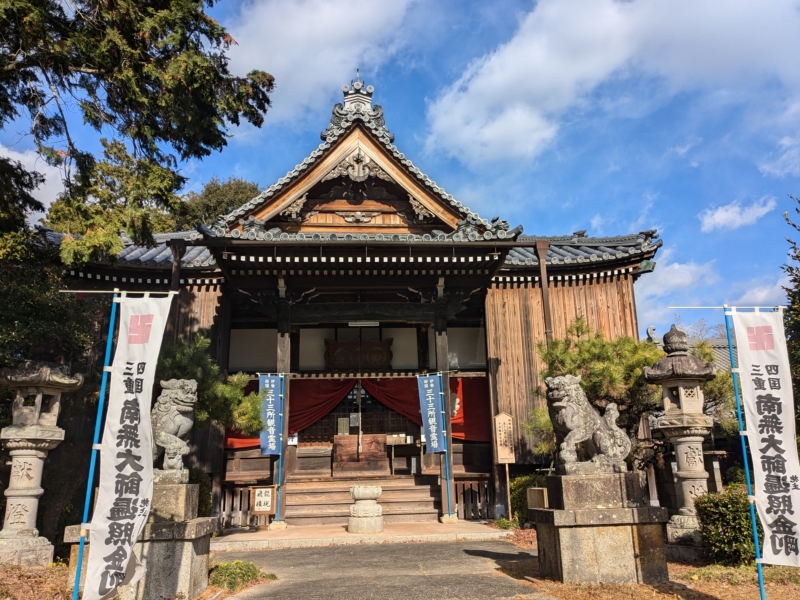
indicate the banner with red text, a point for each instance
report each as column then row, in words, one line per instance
column 769, row 412
column 126, row 456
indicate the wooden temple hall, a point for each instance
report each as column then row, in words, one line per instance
column 353, row 274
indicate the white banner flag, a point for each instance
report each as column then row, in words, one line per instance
column 126, row 456
column 769, row 411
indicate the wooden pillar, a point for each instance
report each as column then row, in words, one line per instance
column 178, row 248
column 284, row 366
column 223, row 341
column 542, row 246
column 443, row 365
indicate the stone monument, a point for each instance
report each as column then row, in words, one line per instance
column 598, row 527
column 366, row 515
column 32, row 434
column 685, row 424
column 174, row 546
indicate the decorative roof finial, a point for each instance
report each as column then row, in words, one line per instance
column 357, row 97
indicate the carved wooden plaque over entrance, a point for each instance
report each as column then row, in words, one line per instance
column 504, row 438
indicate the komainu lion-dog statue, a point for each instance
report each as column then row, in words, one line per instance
column 172, row 418
column 578, row 425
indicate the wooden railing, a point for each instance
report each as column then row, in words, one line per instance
column 474, row 496
column 235, row 508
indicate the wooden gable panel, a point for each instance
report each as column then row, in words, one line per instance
column 357, row 138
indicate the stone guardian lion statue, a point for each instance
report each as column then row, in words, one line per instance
column 172, row 419
column 577, row 424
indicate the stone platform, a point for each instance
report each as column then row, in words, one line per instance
column 319, row 536
column 173, row 547
column 599, row 530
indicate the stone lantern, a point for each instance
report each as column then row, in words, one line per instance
column 32, row 434
column 685, row 424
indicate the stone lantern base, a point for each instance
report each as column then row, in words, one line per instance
column 26, row 552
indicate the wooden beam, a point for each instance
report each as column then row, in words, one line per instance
column 542, row 246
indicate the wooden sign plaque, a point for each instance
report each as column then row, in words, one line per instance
column 504, row 438
column 262, row 500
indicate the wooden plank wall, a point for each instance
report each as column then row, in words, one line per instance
column 515, row 325
column 196, row 309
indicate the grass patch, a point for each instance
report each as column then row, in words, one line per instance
column 503, row 523
column 237, row 575
column 743, row 574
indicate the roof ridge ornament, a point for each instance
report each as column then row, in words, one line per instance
column 357, row 106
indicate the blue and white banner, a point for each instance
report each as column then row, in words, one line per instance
column 271, row 414
column 432, row 410
column 126, row 455
column 770, row 412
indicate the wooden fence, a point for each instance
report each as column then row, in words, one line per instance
column 474, row 496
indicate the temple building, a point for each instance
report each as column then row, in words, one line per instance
column 353, row 274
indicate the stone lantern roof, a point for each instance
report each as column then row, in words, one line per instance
column 678, row 364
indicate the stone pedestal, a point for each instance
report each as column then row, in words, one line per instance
column 174, row 547
column 366, row 515
column 599, row 530
column 20, row 543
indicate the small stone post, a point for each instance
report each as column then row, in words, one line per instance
column 685, row 424
column 32, row 434
column 366, row 515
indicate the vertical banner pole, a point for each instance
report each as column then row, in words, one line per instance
column 446, row 455
column 508, row 494
column 744, row 452
column 280, row 456
column 95, row 441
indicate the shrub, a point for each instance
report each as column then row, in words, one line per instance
column 236, row 575
column 203, row 479
column 519, row 494
column 725, row 526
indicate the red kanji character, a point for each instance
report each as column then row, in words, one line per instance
column 760, row 338
column 139, row 329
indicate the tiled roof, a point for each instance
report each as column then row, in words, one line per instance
column 357, row 108
column 158, row 256
column 577, row 248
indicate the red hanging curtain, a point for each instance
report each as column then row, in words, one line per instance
column 312, row 399
column 473, row 420
column 309, row 401
column 400, row 394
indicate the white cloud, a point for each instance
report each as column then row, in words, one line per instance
column 53, row 184
column 313, row 47
column 598, row 223
column 788, row 160
column 760, row 294
column 734, row 215
column 690, row 143
column 670, row 280
column 509, row 104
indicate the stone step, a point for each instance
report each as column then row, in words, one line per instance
column 321, row 496
column 341, row 517
column 400, row 503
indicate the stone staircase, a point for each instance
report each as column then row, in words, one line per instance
column 405, row 498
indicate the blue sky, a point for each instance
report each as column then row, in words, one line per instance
column 560, row 115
